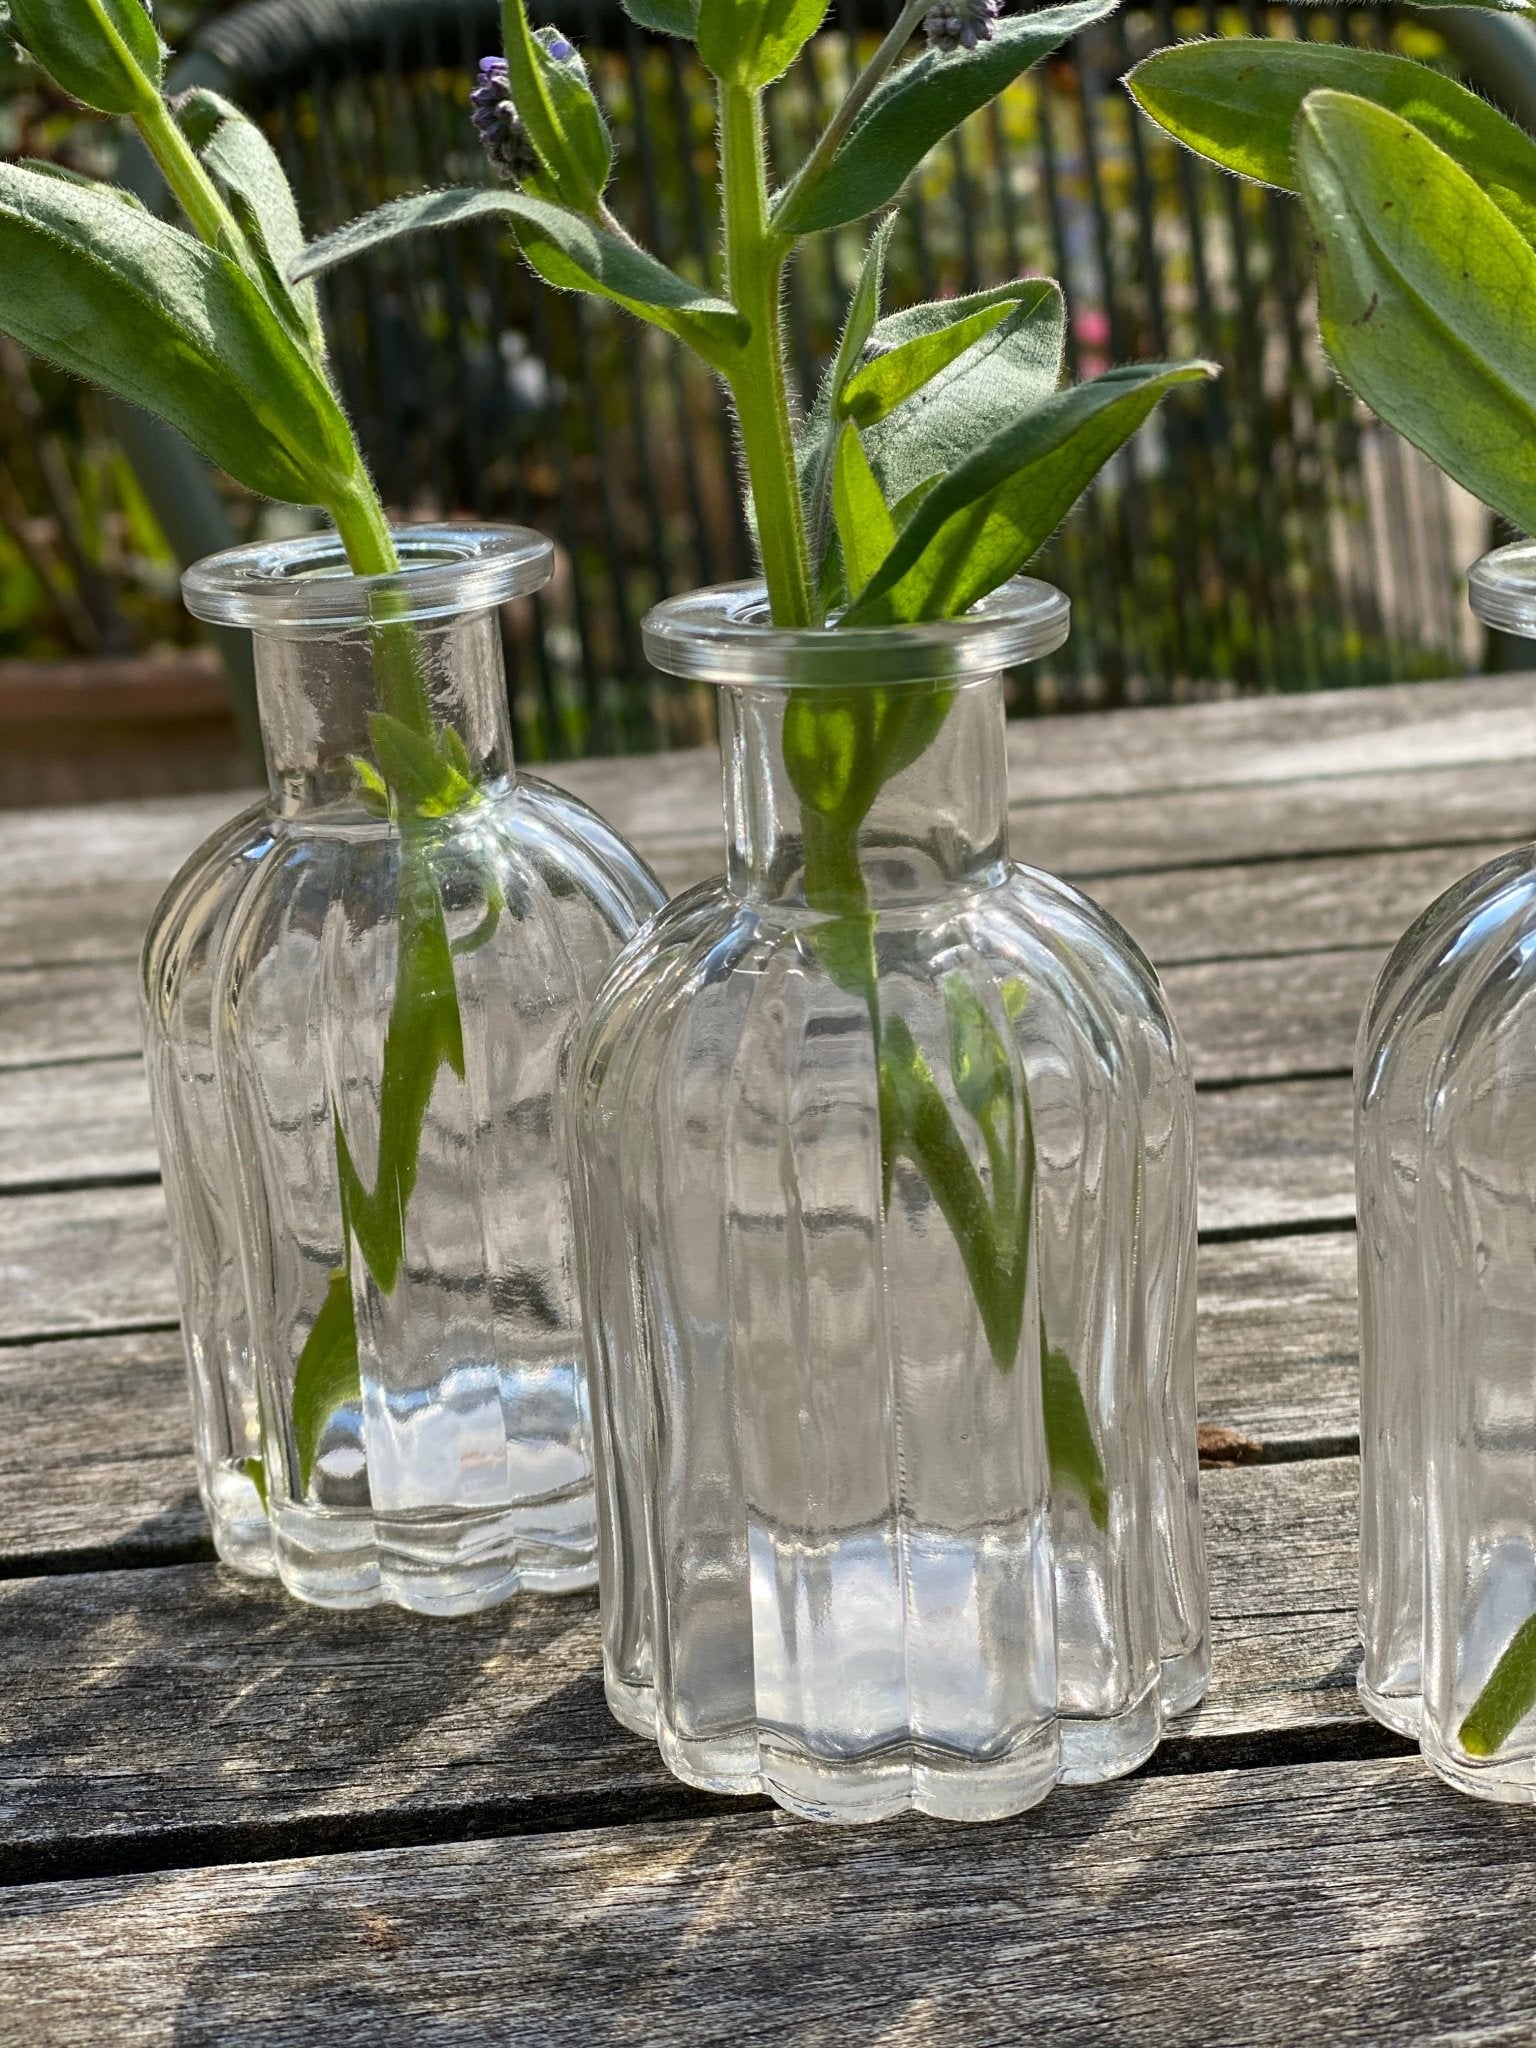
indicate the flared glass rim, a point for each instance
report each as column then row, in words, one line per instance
column 1501, row 588
column 725, row 635
column 305, row 585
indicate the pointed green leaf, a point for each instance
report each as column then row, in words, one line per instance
column 104, row 53
column 326, row 1377
column 813, row 448
column 1076, row 1466
column 542, row 113
column 917, row 106
column 1007, row 372
column 123, row 300
column 1425, row 293
column 571, row 95
column 562, row 247
column 424, row 1034
column 985, row 520
column 1235, row 101
column 880, row 386
column 753, row 42
column 865, row 529
column 980, row 1064
column 246, row 169
column 424, row 779
column 44, row 169
column 666, row 17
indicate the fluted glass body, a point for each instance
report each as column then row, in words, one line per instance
column 1446, row 1177
column 885, row 1172
column 360, row 1006
column 181, row 951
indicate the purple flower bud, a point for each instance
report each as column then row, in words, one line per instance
column 560, row 49
column 496, row 121
column 961, row 24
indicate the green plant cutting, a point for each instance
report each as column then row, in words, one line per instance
column 939, row 455
column 202, row 324
column 1422, row 202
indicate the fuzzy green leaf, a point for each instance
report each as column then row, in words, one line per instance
column 575, row 103
column 246, row 169
column 753, row 42
column 865, row 530
column 1425, row 292
column 917, row 106
column 813, row 449
column 665, row 17
column 104, row 53
column 1007, row 372
column 44, row 169
column 563, row 247
column 1236, row 101
column 123, row 300
column 528, row 72
column 880, row 386
column 985, row 520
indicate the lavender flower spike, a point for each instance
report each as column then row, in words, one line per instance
column 961, row 24
column 496, row 120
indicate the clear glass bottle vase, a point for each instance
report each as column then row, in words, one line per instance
column 885, row 1178
column 359, row 1001
column 1445, row 1125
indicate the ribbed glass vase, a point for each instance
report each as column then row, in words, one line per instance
column 886, row 1185
column 1445, row 1101
column 359, row 1004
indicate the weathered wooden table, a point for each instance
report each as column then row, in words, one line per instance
column 225, row 1818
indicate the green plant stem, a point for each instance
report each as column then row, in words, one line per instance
column 754, row 266
column 856, row 98
column 1506, row 1698
column 196, row 194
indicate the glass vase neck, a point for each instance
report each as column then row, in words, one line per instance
column 864, row 767
column 823, row 810
column 344, row 662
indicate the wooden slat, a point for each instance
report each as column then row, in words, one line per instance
column 1376, row 768
column 1277, row 1155
column 1322, row 905
column 81, row 882
column 1242, row 1019
column 95, row 1433
column 88, row 1011
column 96, row 1454
column 85, row 1120
column 1279, row 1342
column 1339, row 1903
column 1255, row 742
column 93, row 1260
column 120, row 1679
column 1271, row 1154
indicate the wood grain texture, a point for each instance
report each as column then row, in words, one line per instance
column 117, row 1681
column 1385, row 768
column 96, row 1454
column 84, row 1120
column 1279, row 1342
column 95, row 1432
column 86, row 1011
column 1354, row 1903
column 1272, row 1155
column 93, row 1260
